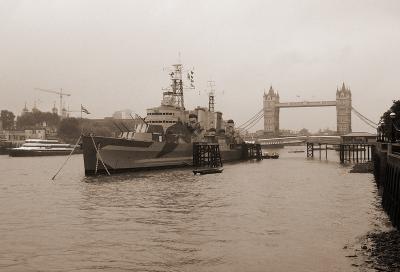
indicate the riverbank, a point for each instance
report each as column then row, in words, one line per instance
column 365, row 167
column 383, row 250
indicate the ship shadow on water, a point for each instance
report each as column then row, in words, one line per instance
column 183, row 173
column 166, row 175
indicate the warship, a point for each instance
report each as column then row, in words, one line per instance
column 164, row 138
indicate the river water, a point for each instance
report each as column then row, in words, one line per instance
column 290, row 214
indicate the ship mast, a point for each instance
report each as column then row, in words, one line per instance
column 173, row 96
column 177, row 85
column 211, row 95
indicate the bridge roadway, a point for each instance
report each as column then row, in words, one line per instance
column 306, row 104
column 330, row 140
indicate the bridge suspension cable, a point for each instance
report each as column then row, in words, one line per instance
column 252, row 119
column 364, row 119
column 253, row 123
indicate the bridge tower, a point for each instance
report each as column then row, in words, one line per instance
column 271, row 113
column 343, row 110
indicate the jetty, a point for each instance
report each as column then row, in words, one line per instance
column 207, row 158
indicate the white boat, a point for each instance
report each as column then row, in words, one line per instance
column 39, row 147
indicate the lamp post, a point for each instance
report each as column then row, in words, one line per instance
column 392, row 128
column 379, row 133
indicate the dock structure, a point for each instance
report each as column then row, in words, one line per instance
column 348, row 152
column 355, row 153
column 252, row 151
column 324, row 143
column 206, row 158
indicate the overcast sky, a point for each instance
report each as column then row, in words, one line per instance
column 110, row 55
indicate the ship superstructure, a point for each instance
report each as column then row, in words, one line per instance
column 172, row 108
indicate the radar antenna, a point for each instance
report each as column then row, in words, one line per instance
column 173, row 96
column 211, row 95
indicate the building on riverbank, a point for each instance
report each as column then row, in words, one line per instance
column 358, row 138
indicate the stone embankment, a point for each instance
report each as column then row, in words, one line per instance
column 381, row 249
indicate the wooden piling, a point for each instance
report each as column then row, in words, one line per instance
column 355, row 153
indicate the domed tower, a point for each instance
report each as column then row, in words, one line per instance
column 25, row 110
column 271, row 113
column 35, row 109
column 54, row 110
column 343, row 110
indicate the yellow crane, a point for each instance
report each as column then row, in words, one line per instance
column 60, row 93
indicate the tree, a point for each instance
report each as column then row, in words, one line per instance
column 387, row 127
column 7, row 119
column 36, row 119
column 69, row 129
column 395, row 107
column 97, row 128
column 304, row 132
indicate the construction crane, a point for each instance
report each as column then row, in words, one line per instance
column 60, row 93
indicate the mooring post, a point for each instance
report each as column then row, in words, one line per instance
column 326, row 152
column 369, row 148
column 364, row 151
column 349, row 153
column 352, row 152
column 357, row 150
column 310, row 150
column 344, row 152
column 319, row 145
column 341, row 153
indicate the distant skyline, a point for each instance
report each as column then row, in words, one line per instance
column 110, row 55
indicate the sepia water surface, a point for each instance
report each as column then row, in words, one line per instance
column 289, row 214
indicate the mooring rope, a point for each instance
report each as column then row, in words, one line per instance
column 98, row 154
column 70, row 154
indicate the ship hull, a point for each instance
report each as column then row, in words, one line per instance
column 119, row 155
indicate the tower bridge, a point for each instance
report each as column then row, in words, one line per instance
column 272, row 106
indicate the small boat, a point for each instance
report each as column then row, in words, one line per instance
column 296, row 151
column 39, row 147
column 208, row 170
column 266, row 155
column 274, row 155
